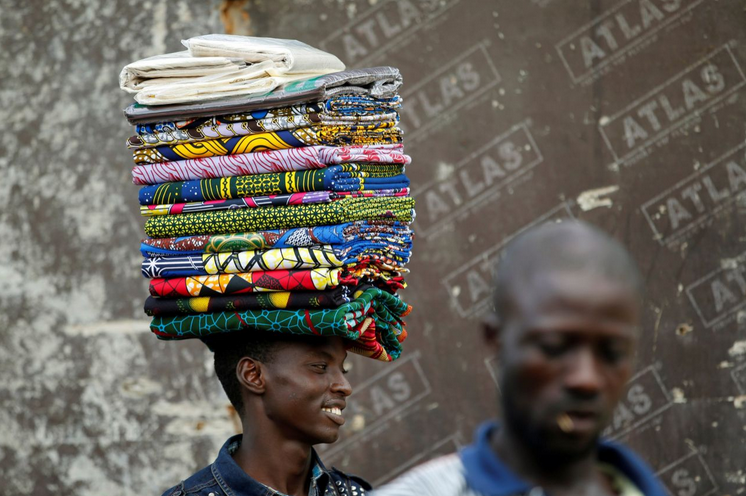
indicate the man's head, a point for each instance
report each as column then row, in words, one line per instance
column 565, row 324
column 293, row 384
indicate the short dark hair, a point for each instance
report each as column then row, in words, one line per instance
column 567, row 245
column 229, row 348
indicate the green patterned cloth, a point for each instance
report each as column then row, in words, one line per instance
column 372, row 321
column 257, row 219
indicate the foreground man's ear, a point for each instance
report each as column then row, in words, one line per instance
column 491, row 330
column 250, row 375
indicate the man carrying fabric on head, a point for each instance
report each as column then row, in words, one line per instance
column 289, row 391
column 567, row 306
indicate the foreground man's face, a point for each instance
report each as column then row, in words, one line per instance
column 566, row 356
column 307, row 390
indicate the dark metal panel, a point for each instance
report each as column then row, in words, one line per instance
column 627, row 114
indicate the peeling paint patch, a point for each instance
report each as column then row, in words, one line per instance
column 592, row 198
column 139, row 387
column 186, row 418
column 678, row 395
column 738, row 348
column 684, row 329
column 234, row 14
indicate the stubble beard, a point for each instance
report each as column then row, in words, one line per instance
column 548, row 447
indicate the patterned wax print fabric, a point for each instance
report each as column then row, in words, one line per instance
column 275, row 280
column 375, row 82
column 275, row 300
column 266, row 201
column 353, row 105
column 302, row 198
column 257, row 219
column 241, row 261
column 256, row 260
column 349, row 238
column 342, row 110
column 345, row 177
column 248, row 282
column 228, row 126
column 373, row 321
column 357, row 135
column 290, row 159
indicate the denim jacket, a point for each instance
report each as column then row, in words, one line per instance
column 225, row 478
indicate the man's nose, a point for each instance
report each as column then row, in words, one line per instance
column 341, row 385
column 584, row 376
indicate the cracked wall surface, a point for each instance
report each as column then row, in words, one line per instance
column 624, row 113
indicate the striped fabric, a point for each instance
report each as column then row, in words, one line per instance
column 443, row 476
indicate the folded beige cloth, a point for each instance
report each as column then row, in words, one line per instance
column 216, row 66
column 174, row 67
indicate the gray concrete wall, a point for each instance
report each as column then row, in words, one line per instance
column 625, row 113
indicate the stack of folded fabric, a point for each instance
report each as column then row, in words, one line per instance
column 286, row 210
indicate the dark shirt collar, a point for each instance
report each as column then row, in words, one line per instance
column 235, row 482
column 488, row 475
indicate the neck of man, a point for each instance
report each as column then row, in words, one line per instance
column 274, row 460
column 556, row 474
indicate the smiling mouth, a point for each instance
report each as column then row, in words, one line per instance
column 335, row 411
column 335, row 414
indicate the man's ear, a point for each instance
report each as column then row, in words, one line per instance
column 491, row 330
column 251, row 375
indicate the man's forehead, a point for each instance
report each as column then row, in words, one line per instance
column 560, row 289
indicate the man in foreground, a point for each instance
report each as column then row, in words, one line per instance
column 289, row 391
column 567, row 307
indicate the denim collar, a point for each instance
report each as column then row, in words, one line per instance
column 488, row 475
column 235, row 482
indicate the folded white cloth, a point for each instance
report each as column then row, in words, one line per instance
column 251, row 80
column 216, row 66
column 174, row 67
column 288, row 56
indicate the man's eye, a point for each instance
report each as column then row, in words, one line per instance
column 553, row 349
column 320, row 366
column 613, row 354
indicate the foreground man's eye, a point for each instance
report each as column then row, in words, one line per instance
column 614, row 353
column 553, row 348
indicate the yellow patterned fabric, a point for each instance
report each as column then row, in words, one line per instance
column 363, row 134
column 243, row 261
